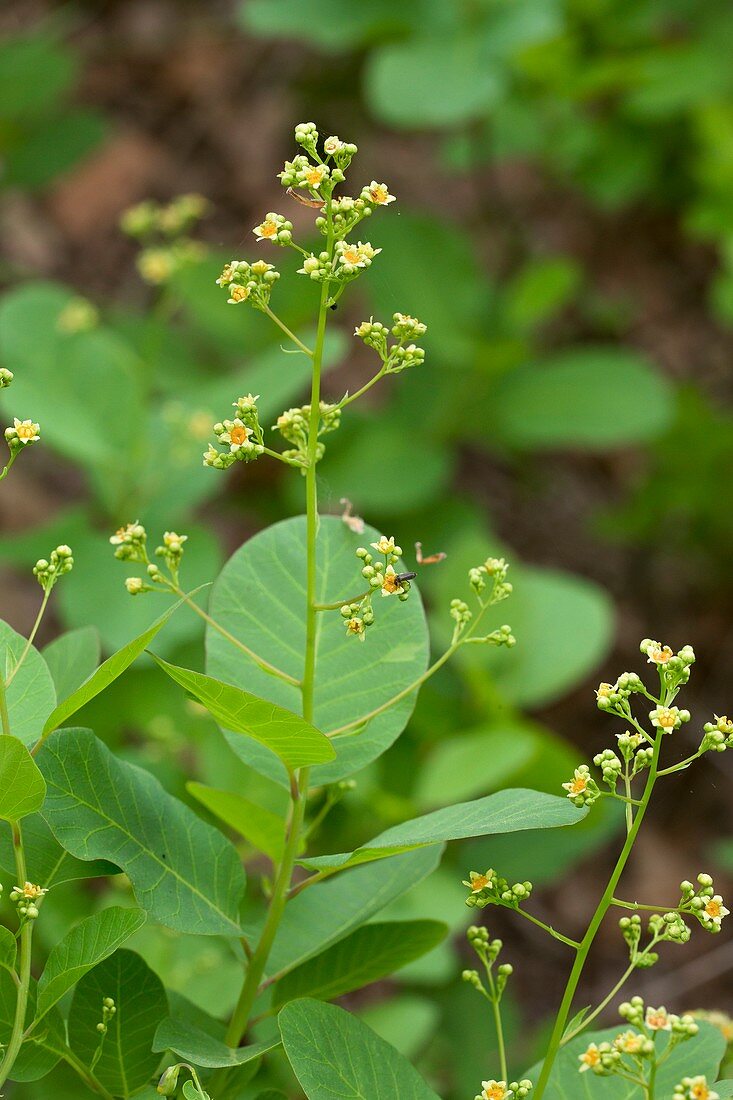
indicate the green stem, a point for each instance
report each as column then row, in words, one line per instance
column 32, row 635
column 291, row 335
column 86, row 1075
column 337, row 604
column 259, row 661
column 596, row 921
column 6, row 469
column 652, row 1081
column 547, row 928
column 359, row 393
column 635, row 905
column 26, row 940
column 682, row 764
column 498, row 1025
column 609, row 997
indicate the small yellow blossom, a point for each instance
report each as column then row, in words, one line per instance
column 236, row 434
column 391, row 585
column 494, row 1090
column 355, row 626
column 590, row 1058
column 26, row 431
column 314, row 175
column 266, row 230
column 665, row 718
column 238, row 294
column 477, row 882
column 173, row 541
column 604, row 691
column 714, row 912
column 29, row 891
column 577, row 785
column 135, row 585
column 384, row 545
column 659, row 654
column 332, row 145
column 629, row 1042
column 379, row 194
column 657, row 1019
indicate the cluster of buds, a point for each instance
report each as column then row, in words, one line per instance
column 251, row 283
column 634, row 1051
column 240, row 439
column 491, row 889
column 615, row 697
column 48, row 570
column 108, row 1011
column 400, row 353
column 382, row 575
column 171, row 551
column 488, row 951
column 702, row 902
column 349, row 260
column 130, row 544
column 611, row 767
column 501, row 1090
column 637, row 753
column 275, row 228
column 27, row 898
column 717, row 735
column 294, row 424
column 694, row 1088
column 582, row 789
column 358, row 616
column 163, row 229
column 78, row 315
column 674, row 668
column 668, row 928
column 494, row 572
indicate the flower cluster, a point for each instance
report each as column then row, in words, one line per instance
column 694, row 1088
column 501, row 1090
column 702, row 902
column 130, row 544
column 294, row 424
column 47, row 571
column 634, row 1052
column 275, row 228
column 491, row 889
column 488, row 952
column 493, row 572
column 109, row 1010
column 27, row 898
column 674, row 668
column 402, row 352
column 251, row 283
column 582, row 789
column 163, row 230
column 21, row 434
column 240, row 439
column 717, row 735
column 381, row 576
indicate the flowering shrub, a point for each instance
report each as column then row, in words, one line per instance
column 301, row 703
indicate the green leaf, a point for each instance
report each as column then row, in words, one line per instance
column 85, row 946
column 127, row 1060
column 260, row 596
column 433, row 81
column 334, row 1054
column 8, row 948
column 30, row 695
column 373, row 952
column 261, row 828
column 701, row 1055
column 192, row 1092
column 183, row 871
column 296, row 742
column 51, row 864
column 579, row 398
column 195, row 1045
column 325, row 913
column 22, row 789
column 72, row 658
column 107, row 672
column 540, row 289
column 475, row 762
column 509, row 811
column 22, row 58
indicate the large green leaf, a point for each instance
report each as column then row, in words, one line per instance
column 333, row 1054
column 261, row 827
column 296, row 742
column 30, row 694
column 581, row 398
column 509, row 811
column 22, row 789
column 48, row 863
column 127, row 1060
column 372, row 952
column 472, row 763
column 72, row 658
column 701, row 1055
column 260, row 596
column 183, row 871
column 326, row 912
column 85, row 946
column 107, row 672
column 197, row 1046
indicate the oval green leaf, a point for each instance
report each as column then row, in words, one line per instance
column 334, row 1054
column 31, row 695
column 260, row 598
column 197, row 1046
column 185, row 874
column 22, row 788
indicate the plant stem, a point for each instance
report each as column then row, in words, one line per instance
column 86, row 1075
column 682, row 764
column 635, row 905
column 299, row 786
column 281, row 325
column 337, row 604
column 547, row 928
column 6, row 469
column 609, row 997
column 359, row 393
column 259, row 661
column 596, row 920
column 26, row 939
column 31, row 637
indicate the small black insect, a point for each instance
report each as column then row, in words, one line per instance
column 402, row 577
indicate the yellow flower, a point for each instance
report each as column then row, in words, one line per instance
column 172, row 541
column 714, row 911
column 494, row 1090
column 384, row 545
column 30, row 892
column 659, row 654
column 332, row 145
column 266, row 230
column 238, row 294
column 26, row 431
column 477, row 882
column 236, row 434
column 314, row 175
column 629, row 1042
column 391, row 585
column 227, row 275
column 589, row 1058
column 604, row 691
column 379, row 194
column 577, row 785
column 657, row 1019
